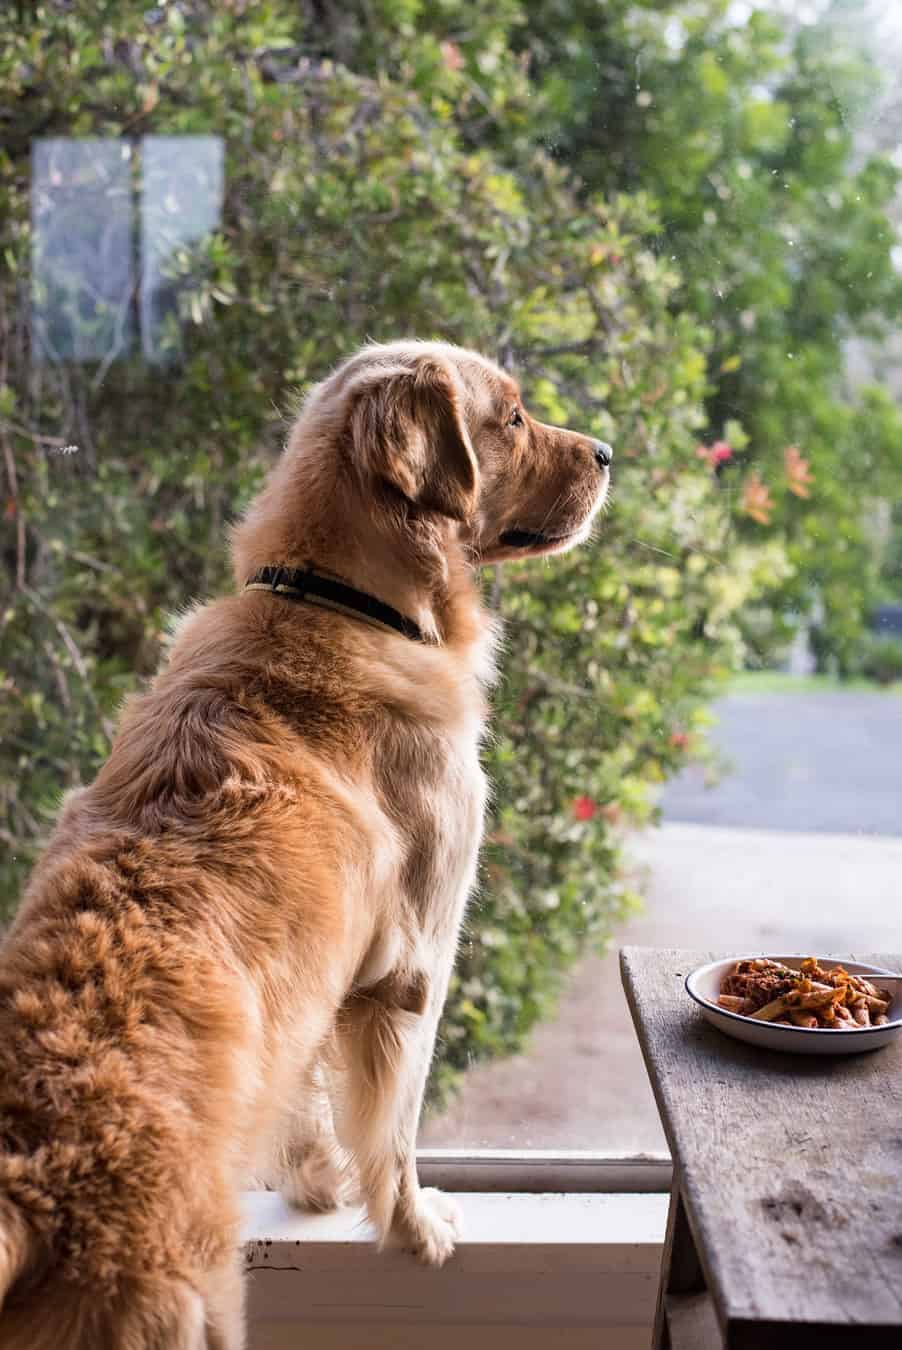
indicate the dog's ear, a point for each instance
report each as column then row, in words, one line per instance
column 407, row 429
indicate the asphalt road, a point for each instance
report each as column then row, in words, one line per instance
column 806, row 762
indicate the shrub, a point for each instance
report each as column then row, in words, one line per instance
column 880, row 659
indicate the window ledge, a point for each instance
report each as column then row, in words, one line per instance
column 576, row 1262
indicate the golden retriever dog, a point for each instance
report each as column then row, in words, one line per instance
column 230, row 961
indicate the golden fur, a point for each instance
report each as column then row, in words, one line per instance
column 248, row 920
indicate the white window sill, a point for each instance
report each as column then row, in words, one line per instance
column 529, row 1268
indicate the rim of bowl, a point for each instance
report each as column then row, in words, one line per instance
column 782, row 1026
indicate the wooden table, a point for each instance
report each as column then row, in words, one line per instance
column 785, row 1225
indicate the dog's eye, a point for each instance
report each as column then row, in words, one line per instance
column 515, row 419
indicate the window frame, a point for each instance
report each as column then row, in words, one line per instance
column 538, row 1171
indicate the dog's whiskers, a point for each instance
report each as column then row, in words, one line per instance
column 652, row 548
column 552, row 509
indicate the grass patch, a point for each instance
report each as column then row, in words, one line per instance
column 778, row 682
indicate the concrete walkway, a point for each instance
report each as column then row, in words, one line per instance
column 581, row 1084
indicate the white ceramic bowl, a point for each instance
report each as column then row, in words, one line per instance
column 703, row 985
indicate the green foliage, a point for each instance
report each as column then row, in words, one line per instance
column 880, row 658
column 389, row 171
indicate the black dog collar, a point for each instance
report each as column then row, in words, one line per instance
column 303, row 584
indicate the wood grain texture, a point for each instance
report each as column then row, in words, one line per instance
column 790, row 1166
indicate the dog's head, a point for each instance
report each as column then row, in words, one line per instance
column 431, row 433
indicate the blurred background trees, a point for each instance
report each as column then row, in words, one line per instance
column 659, row 214
column 750, row 137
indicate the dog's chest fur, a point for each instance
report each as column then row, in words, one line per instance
column 432, row 787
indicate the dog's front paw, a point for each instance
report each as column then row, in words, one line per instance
column 428, row 1225
column 318, row 1182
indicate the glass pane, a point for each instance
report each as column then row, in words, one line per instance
column 675, row 224
column 181, row 202
column 82, row 282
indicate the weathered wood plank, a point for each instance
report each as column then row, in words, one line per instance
column 681, row 1272
column 691, row 1322
column 790, row 1166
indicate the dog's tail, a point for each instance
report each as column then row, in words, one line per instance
column 154, row 1314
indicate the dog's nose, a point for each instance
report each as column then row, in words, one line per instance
column 603, row 454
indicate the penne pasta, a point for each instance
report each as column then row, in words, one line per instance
column 731, row 1002
column 813, row 997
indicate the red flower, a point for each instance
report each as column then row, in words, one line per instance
column 718, row 453
column 679, row 740
column 583, row 808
